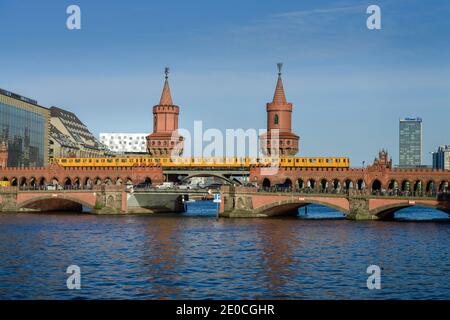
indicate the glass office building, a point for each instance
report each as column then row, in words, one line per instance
column 410, row 142
column 441, row 158
column 24, row 128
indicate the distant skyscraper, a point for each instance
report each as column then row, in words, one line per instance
column 441, row 158
column 410, row 142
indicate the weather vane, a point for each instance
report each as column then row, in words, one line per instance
column 280, row 66
column 166, row 72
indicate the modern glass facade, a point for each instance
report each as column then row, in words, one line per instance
column 410, row 142
column 441, row 158
column 24, row 129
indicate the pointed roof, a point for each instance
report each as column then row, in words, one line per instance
column 166, row 97
column 279, row 97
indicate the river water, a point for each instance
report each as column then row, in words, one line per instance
column 194, row 257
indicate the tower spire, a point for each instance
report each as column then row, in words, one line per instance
column 279, row 97
column 166, row 97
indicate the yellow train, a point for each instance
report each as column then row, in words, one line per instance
column 303, row 162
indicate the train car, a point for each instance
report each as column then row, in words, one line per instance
column 207, row 162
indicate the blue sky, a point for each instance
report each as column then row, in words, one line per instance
column 349, row 85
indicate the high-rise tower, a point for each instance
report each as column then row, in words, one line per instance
column 165, row 140
column 410, row 137
column 279, row 137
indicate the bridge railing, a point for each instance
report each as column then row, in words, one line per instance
column 355, row 192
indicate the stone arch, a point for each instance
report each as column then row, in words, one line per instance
column 406, row 186
column 108, row 181
column 42, row 181
column 337, row 185
column 88, row 182
column 206, row 174
column 288, row 183
column 348, row 184
column 55, row 181
column 291, row 206
column 376, row 185
column 393, row 185
column 23, row 182
column 266, row 183
column 443, row 186
column 67, row 181
column 77, row 182
column 14, row 182
column 360, row 184
column 97, row 181
column 418, row 187
column 45, row 200
column 300, row 183
column 430, row 187
column 311, row 183
column 148, row 181
column 119, row 181
column 32, row 182
column 129, row 181
column 387, row 212
column 323, row 184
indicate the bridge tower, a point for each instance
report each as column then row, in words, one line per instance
column 165, row 140
column 279, row 138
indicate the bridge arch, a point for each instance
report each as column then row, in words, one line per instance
column 49, row 203
column 406, row 186
column 376, row 185
column 443, row 186
column 360, row 184
column 291, row 206
column 266, row 183
column 393, row 185
column 288, row 183
column 323, row 184
column 209, row 174
column 42, row 181
column 311, row 184
column 387, row 212
column 430, row 187
column 337, row 185
column 14, row 181
column 348, row 184
column 23, row 182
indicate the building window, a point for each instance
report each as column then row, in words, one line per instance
column 275, row 120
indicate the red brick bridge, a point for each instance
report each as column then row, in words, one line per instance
column 251, row 202
column 361, row 193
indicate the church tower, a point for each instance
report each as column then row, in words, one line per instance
column 279, row 137
column 165, row 141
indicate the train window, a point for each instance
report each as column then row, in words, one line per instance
column 63, row 160
column 329, row 161
column 109, row 160
column 77, row 160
